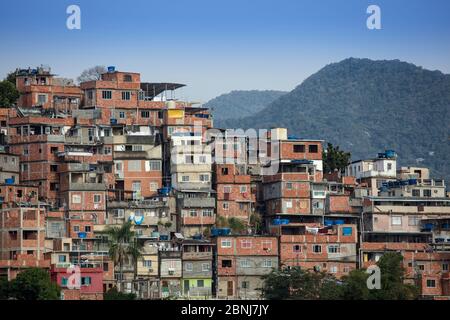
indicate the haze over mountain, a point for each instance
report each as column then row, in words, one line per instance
column 241, row 103
column 367, row 106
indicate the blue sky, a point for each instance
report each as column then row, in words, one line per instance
column 215, row 46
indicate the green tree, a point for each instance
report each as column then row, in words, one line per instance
column 34, row 284
column 354, row 285
column 113, row 294
column 4, row 288
column 335, row 159
column 11, row 77
column 300, row 284
column 393, row 285
column 123, row 245
column 8, row 94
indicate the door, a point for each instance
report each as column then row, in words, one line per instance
column 136, row 187
column 230, row 288
column 186, row 287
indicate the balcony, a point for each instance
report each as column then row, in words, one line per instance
column 197, row 255
column 198, row 202
column 87, row 186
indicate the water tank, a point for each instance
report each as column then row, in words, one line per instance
column 390, row 154
column 111, row 69
column 171, row 104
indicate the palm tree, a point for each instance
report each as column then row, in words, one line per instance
column 123, row 245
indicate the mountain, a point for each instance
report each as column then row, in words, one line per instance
column 367, row 106
column 240, row 103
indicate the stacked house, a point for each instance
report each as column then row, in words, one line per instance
column 78, row 160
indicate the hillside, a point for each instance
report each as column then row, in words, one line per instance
column 240, row 103
column 368, row 106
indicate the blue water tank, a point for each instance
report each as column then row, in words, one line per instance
column 336, row 222
column 328, row 222
column 412, row 182
column 113, row 121
column 164, row 191
column 163, row 237
column 111, row 69
column 390, row 154
column 9, row 181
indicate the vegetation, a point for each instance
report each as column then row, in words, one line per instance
column 123, row 247
column 8, row 94
column 237, row 104
column 113, row 294
column 236, row 225
column 299, row 284
column 31, row 284
column 90, row 74
column 367, row 106
column 335, row 159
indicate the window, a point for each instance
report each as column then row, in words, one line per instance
column 226, row 189
column 76, row 228
column 416, row 193
column 246, row 243
column 333, row 248
column 97, row 198
column 288, row 204
column 137, row 147
column 145, row 114
column 225, row 243
column 134, row 165
column 245, row 285
column 107, row 150
column 389, row 166
column 90, row 94
column 299, row 148
column 25, row 150
column 155, row 165
column 188, row 266
column 107, row 94
column 202, row 159
column 413, row 220
column 200, row 283
column 147, row 263
column 87, row 229
column 396, row 220
column 225, row 206
column 192, row 213
column 427, row 193
column 205, row 267
column 127, row 78
column 53, row 168
column 431, row 283
column 296, row 248
column 185, row 178
column 347, row 231
column 243, row 189
column 85, row 281
column 445, row 267
column 76, row 198
column 207, row 213
column 267, row 263
column 421, row 267
column 42, row 98
column 266, row 244
column 333, row 269
column 122, row 114
column 289, row 185
column 126, row 95
column 61, row 258
column 226, row 263
column 153, row 186
column 317, row 248
column 64, row 282
column 313, row 148
column 105, row 266
column 245, row 263
column 224, row 171
column 204, row 177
